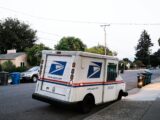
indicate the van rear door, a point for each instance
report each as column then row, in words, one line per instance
column 56, row 75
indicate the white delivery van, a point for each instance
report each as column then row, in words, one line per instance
column 78, row 77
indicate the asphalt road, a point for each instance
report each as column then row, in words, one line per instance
column 130, row 77
column 16, row 103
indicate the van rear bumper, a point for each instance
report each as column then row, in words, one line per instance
column 50, row 100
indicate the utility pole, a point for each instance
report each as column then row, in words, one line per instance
column 105, row 44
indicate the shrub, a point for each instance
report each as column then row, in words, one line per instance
column 0, row 67
column 8, row 66
column 21, row 69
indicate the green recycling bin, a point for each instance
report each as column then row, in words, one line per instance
column 147, row 78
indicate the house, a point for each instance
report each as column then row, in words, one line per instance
column 19, row 59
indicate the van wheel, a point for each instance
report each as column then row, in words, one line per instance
column 87, row 104
column 34, row 78
column 120, row 95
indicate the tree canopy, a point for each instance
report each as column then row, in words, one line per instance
column 70, row 44
column 155, row 58
column 143, row 48
column 159, row 41
column 15, row 34
column 34, row 54
column 99, row 49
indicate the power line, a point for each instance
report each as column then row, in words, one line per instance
column 49, row 19
column 82, row 22
column 137, row 24
column 49, row 33
column 50, row 39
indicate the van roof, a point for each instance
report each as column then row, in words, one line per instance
column 79, row 53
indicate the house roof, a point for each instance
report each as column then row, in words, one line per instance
column 10, row 56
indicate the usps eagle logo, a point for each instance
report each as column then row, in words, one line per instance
column 94, row 70
column 57, row 68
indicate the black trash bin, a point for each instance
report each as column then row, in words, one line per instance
column 4, row 78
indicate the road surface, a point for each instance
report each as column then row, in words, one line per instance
column 130, row 77
column 16, row 102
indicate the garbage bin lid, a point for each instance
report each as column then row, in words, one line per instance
column 4, row 72
column 148, row 71
column 15, row 73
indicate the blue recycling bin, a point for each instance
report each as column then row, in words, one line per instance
column 15, row 76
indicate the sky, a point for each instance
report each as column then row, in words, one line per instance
column 54, row 19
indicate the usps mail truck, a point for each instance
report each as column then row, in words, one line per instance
column 78, row 77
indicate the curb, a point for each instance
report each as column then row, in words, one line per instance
column 130, row 92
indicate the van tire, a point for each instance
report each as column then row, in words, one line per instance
column 120, row 95
column 87, row 104
column 34, row 78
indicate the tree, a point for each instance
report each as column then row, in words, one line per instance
column 0, row 67
column 159, row 41
column 70, row 44
column 127, row 63
column 138, row 63
column 99, row 49
column 155, row 58
column 15, row 34
column 143, row 48
column 34, row 54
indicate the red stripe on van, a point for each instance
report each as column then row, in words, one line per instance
column 52, row 80
column 82, row 83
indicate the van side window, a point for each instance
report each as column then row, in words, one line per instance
column 111, row 72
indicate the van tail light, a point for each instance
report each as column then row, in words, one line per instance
column 72, row 71
column 40, row 71
column 73, row 64
column 41, row 65
column 71, row 77
column 42, row 61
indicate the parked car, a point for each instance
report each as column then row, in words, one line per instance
column 31, row 74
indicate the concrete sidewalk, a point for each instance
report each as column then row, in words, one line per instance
column 143, row 105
